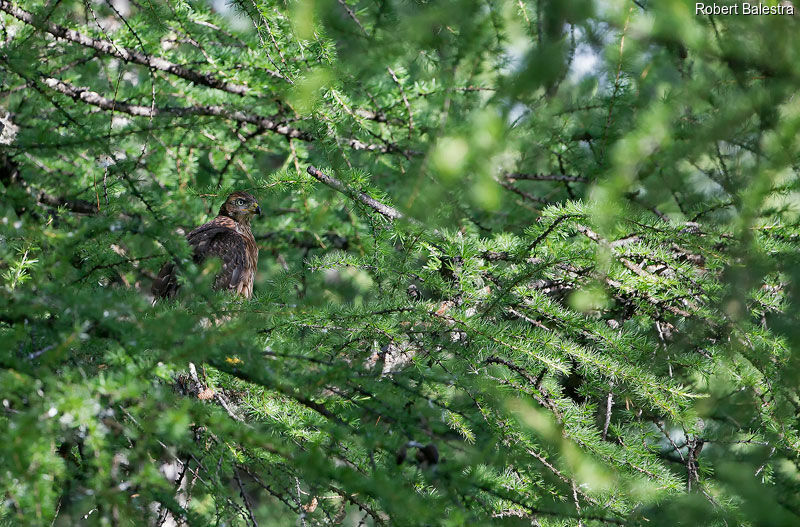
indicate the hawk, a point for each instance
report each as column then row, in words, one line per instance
column 227, row 237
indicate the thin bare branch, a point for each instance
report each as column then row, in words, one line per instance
column 405, row 102
column 514, row 176
column 95, row 99
column 352, row 15
column 385, row 210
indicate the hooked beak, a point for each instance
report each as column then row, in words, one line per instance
column 256, row 209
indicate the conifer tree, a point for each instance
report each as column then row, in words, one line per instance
column 522, row 263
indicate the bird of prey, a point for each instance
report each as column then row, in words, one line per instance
column 227, row 237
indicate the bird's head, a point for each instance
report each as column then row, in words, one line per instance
column 241, row 206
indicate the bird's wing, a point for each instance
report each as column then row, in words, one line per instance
column 220, row 238
column 166, row 284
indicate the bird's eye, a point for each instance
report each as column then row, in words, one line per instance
column 240, row 202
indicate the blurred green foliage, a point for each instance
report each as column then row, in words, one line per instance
column 602, row 234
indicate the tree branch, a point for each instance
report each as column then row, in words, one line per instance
column 95, row 99
column 128, row 55
column 513, row 176
column 377, row 206
column 505, row 183
column 9, row 174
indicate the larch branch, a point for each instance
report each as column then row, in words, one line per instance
column 95, row 99
column 377, row 206
column 126, row 54
column 512, row 176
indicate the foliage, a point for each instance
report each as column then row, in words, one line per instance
column 553, row 280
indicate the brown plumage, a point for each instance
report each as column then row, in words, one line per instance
column 227, row 237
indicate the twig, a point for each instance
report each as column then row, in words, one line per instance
column 616, row 80
column 242, row 142
column 385, row 210
column 244, row 497
column 355, row 144
column 609, row 405
column 75, row 205
column 512, row 176
column 669, row 438
column 506, row 185
column 758, row 471
column 589, row 233
column 577, row 503
column 299, row 502
column 352, row 15
column 272, row 37
column 405, row 102
column 550, row 229
column 221, row 399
